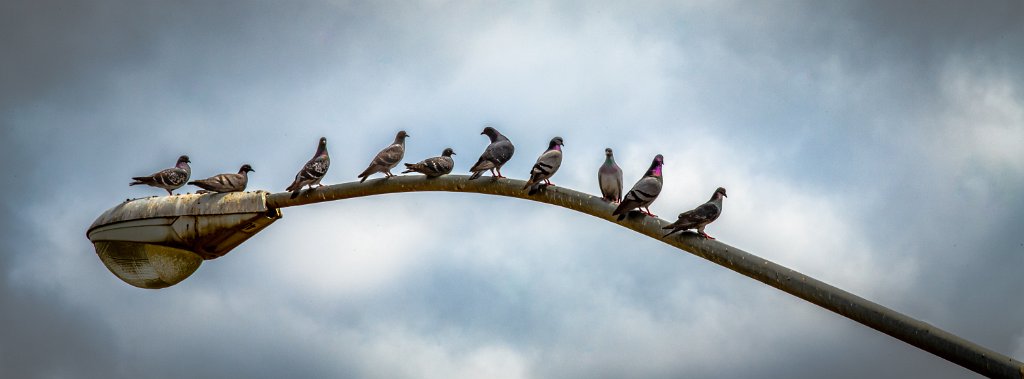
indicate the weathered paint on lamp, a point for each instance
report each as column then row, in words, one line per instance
column 156, row 242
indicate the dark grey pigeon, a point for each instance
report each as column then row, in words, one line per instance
column 644, row 192
column 313, row 171
column 701, row 216
column 386, row 159
column 609, row 178
column 169, row 179
column 433, row 167
column 494, row 156
column 546, row 166
column 225, row 182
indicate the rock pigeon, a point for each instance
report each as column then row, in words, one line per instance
column 386, row 159
column 494, row 156
column 701, row 216
column 225, row 182
column 609, row 178
column 313, row 171
column 546, row 166
column 433, row 167
column 169, row 179
column 644, row 192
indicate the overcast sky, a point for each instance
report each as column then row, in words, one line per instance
column 876, row 146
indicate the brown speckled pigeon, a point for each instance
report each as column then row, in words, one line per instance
column 435, row 166
column 169, row 179
column 313, row 171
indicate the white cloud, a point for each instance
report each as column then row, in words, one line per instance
column 982, row 125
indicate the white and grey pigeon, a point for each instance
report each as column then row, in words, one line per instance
column 313, row 171
column 435, row 166
column 644, row 192
column 701, row 216
column 225, row 182
column 169, row 179
column 609, row 178
column 546, row 166
column 494, row 156
column 386, row 159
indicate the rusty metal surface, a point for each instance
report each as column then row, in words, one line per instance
column 184, row 205
column 209, row 225
column 914, row 332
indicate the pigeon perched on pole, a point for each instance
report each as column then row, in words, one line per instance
column 386, row 159
column 169, row 179
column 225, row 182
column 644, row 192
column 546, row 166
column 313, row 171
column 609, row 178
column 701, row 216
column 494, row 156
column 435, row 166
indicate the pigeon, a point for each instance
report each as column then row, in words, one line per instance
column 225, row 182
column 386, row 159
column 169, row 179
column 644, row 192
column 609, row 178
column 494, row 156
column 546, row 166
column 313, row 171
column 701, row 216
column 433, row 167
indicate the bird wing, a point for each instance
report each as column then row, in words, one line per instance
column 390, row 156
column 171, row 177
column 645, row 191
column 696, row 217
column 546, row 166
column 222, row 183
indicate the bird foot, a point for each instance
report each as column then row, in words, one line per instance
column 706, row 236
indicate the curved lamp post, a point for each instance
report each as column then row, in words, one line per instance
column 157, row 242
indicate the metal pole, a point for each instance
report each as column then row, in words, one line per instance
column 915, row 332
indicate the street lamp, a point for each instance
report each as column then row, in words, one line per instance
column 157, row 242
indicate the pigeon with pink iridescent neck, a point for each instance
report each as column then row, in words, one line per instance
column 169, row 179
column 546, row 166
column 644, row 192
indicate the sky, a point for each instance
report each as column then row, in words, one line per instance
column 873, row 145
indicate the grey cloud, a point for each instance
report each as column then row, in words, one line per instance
column 835, row 95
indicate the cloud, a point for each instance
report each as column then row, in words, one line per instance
column 870, row 146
